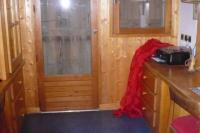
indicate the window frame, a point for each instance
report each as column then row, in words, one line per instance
column 116, row 30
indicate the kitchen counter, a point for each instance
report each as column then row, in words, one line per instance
column 180, row 82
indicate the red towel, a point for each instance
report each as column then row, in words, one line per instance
column 130, row 103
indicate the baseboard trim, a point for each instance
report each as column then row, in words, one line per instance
column 109, row 106
column 32, row 110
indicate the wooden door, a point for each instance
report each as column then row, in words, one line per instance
column 66, row 41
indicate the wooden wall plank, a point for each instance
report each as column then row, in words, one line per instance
column 68, row 89
column 65, row 93
column 115, row 54
column 29, row 55
column 68, row 99
column 197, row 65
column 68, row 83
column 69, row 93
column 69, row 105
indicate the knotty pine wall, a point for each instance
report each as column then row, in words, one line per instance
column 29, row 71
column 115, row 54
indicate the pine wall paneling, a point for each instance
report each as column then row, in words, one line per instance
column 29, row 55
column 197, row 65
column 115, row 54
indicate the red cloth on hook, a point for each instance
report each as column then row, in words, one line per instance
column 130, row 104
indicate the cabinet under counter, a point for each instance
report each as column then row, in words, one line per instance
column 163, row 85
column 13, row 103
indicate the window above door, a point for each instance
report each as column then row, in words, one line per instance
column 141, row 16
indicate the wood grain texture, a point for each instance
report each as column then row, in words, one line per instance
column 17, row 101
column 116, row 53
column 175, row 97
column 149, row 109
column 65, row 95
column 5, row 63
column 5, row 83
column 163, row 108
column 155, row 98
column 180, row 82
column 13, row 33
column 14, row 106
column 29, row 55
column 66, row 88
column 197, row 65
column 179, row 111
column 3, row 60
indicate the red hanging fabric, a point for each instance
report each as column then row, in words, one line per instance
column 130, row 104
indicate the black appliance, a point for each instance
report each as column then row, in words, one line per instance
column 174, row 55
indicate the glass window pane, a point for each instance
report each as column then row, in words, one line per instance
column 66, row 36
column 142, row 13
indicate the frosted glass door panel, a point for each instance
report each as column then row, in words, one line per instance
column 66, row 36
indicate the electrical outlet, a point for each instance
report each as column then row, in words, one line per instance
column 182, row 36
column 189, row 39
column 186, row 38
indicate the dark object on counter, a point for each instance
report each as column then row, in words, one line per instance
column 174, row 55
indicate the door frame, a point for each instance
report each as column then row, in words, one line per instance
column 40, row 59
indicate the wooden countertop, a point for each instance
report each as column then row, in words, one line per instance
column 180, row 82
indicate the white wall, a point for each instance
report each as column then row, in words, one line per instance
column 188, row 25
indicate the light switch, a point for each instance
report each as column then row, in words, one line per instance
column 182, row 36
column 189, row 38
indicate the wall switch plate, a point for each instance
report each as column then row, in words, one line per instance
column 186, row 38
column 182, row 36
column 189, row 38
